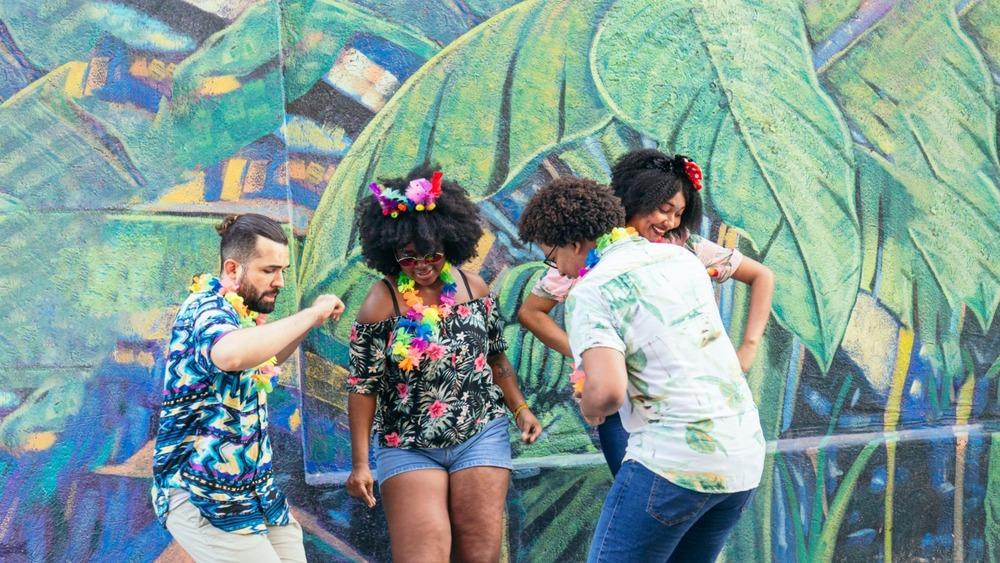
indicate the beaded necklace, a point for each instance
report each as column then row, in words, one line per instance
column 264, row 376
column 416, row 336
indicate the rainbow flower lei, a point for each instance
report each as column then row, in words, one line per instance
column 577, row 377
column 264, row 376
column 603, row 242
column 416, row 336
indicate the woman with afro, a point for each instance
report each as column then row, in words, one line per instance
column 429, row 376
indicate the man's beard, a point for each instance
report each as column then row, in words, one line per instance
column 253, row 298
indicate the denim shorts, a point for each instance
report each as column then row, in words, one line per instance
column 490, row 448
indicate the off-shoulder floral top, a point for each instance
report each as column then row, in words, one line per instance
column 443, row 402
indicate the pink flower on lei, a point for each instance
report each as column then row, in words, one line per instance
column 435, row 351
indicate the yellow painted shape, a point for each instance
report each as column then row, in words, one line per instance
column 218, row 85
column 232, row 179
column 314, row 173
column 39, row 441
column 963, row 410
column 191, row 192
column 139, row 67
column 295, row 420
column 732, row 238
column 74, row 78
column 482, row 249
column 871, row 331
column 904, row 348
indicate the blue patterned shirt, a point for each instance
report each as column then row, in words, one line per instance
column 212, row 440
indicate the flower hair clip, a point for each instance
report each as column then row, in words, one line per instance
column 692, row 170
column 420, row 195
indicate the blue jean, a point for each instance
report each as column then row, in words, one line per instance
column 648, row 518
column 614, row 440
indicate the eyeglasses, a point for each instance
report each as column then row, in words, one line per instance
column 549, row 260
column 407, row 261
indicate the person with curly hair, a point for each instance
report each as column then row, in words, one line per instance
column 646, row 331
column 429, row 375
column 662, row 200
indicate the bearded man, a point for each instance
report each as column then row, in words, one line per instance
column 214, row 489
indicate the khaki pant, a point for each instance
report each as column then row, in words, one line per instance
column 207, row 544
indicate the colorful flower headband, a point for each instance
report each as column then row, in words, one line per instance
column 420, row 195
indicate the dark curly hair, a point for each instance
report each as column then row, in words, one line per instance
column 568, row 210
column 645, row 179
column 453, row 227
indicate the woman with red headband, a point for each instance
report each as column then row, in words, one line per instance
column 661, row 195
column 429, row 375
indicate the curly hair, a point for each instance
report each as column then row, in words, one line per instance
column 568, row 210
column 645, row 179
column 453, row 227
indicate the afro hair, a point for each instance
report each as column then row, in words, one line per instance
column 568, row 210
column 453, row 227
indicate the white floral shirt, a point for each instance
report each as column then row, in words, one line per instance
column 690, row 414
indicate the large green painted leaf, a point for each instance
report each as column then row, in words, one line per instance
column 938, row 148
column 55, row 32
column 823, row 16
column 927, row 251
column 204, row 123
column 592, row 158
column 442, row 22
column 543, row 373
column 71, row 165
column 981, row 20
column 315, row 31
column 486, row 109
column 732, row 85
column 556, row 511
column 100, row 155
column 80, row 279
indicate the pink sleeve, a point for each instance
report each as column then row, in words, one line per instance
column 553, row 286
column 720, row 262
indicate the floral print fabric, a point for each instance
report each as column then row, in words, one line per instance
column 444, row 401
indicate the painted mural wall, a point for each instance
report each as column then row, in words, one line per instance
column 850, row 145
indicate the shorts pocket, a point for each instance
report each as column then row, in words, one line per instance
column 671, row 504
